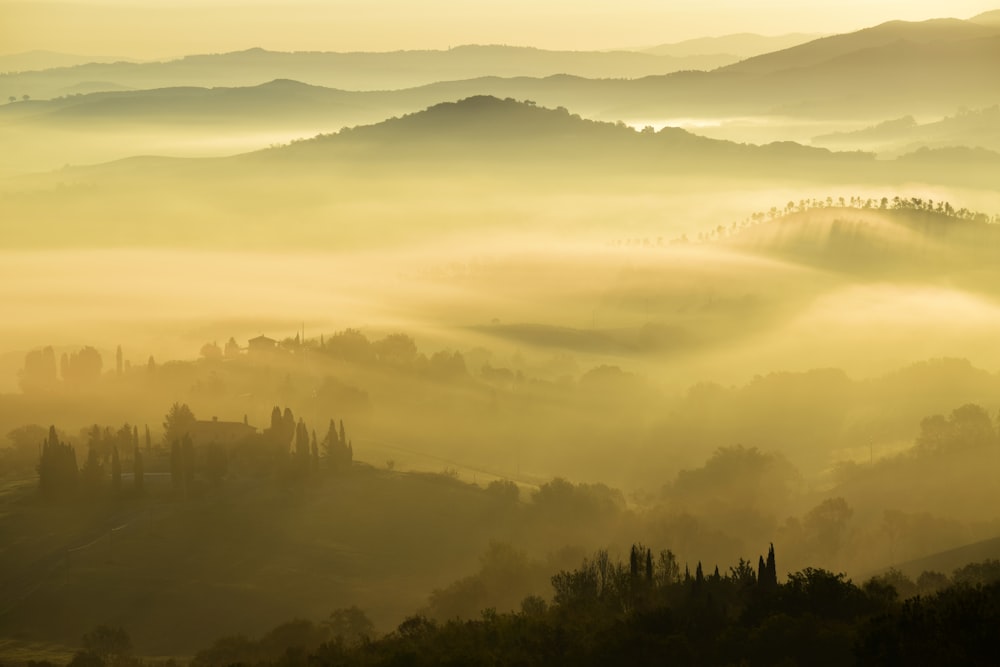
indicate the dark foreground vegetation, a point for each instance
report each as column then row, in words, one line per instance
column 645, row 612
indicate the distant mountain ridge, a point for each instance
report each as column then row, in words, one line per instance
column 509, row 126
column 741, row 45
column 40, row 60
column 892, row 33
column 362, row 71
column 950, row 560
column 897, row 68
column 500, row 145
column 991, row 18
column 971, row 128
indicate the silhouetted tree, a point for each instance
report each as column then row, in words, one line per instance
column 767, row 575
column 350, row 626
column 84, row 366
column 57, row 467
column 302, row 446
column 178, row 422
column 92, row 474
column 287, row 428
column 274, row 431
column 337, row 451
column 314, row 450
column 39, row 373
column 211, row 351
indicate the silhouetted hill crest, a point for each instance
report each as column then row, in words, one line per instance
column 478, row 121
column 991, row 18
column 903, row 238
column 886, row 34
column 488, row 123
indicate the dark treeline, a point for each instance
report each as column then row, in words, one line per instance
column 209, row 450
column 944, row 211
column 647, row 612
column 727, row 496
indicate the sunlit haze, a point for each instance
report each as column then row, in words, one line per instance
column 550, row 334
column 156, row 29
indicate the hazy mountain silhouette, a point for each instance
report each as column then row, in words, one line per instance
column 480, row 142
column 357, row 70
column 948, row 561
column 987, row 18
column 740, row 45
column 895, row 34
column 485, row 129
column 933, row 67
column 508, row 134
column 973, row 129
column 40, row 60
column 271, row 103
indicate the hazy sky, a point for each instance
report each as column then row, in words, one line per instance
column 157, row 28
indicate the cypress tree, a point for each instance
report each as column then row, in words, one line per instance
column 302, row 446
column 288, row 428
column 315, row 453
column 273, row 433
column 58, row 473
column 772, row 570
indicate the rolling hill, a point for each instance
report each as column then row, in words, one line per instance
column 433, row 166
column 740, row 45
column 971, row 128
column 355, row 71
column 894, row 239
column 898, row 68
column 893, row 33
column 991, row 19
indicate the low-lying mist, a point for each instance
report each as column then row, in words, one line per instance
column 539, row 336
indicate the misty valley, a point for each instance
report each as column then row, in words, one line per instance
column 502, row 355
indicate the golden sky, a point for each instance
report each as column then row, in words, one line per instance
column 160, row 28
